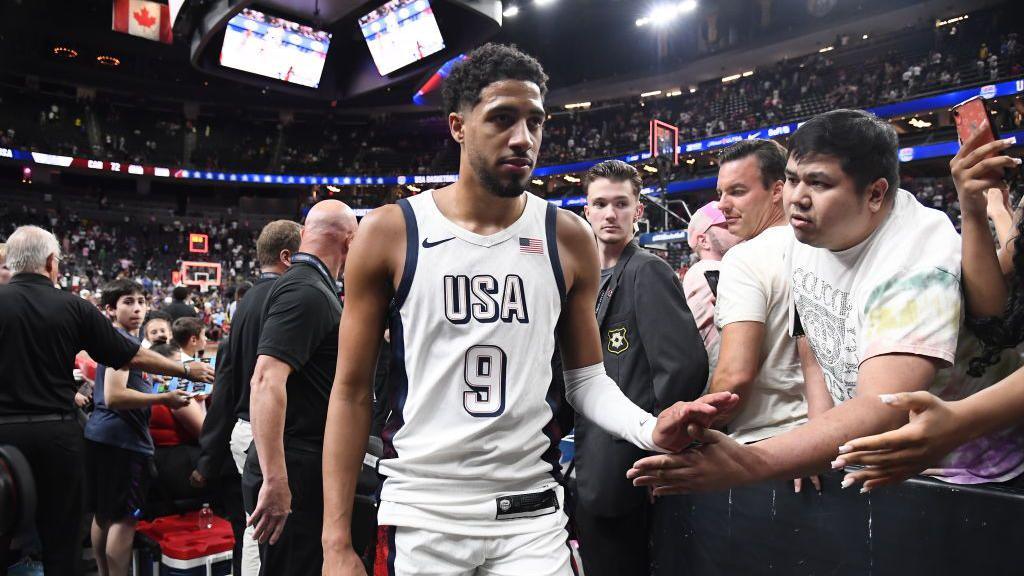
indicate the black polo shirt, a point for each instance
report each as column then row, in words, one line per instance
column 178, row 309
column 300, row 328
column 42, row 329
column 236, row 360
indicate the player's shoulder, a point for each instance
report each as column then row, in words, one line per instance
column 382, row 227
column 571, row 228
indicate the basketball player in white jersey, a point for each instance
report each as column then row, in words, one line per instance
column 475, row 280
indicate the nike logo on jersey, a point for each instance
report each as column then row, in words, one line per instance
column 429, row 244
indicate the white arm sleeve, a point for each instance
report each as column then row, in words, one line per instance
column 595, row 395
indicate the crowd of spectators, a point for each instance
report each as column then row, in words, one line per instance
column 855, row 73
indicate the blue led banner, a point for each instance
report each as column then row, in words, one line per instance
column 889, row 110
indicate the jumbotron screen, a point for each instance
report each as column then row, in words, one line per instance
column 274, row 47
column 401, row 32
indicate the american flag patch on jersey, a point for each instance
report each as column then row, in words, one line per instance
column 531, row 245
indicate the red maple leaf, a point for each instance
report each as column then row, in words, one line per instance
column 143, row 18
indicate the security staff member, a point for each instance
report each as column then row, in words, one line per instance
column 226, row 428
column 290, row 388
column 42, row 329
column 653, row 351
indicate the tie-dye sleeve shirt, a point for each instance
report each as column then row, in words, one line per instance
column 899, row 292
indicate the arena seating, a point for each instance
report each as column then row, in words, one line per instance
column 889, row 68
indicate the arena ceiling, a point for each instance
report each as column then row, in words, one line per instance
column 576, row 40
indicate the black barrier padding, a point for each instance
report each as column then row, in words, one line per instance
column 920, row 527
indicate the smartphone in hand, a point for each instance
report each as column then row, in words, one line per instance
column 971, row 116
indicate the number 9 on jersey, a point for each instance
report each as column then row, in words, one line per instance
column 485, row 376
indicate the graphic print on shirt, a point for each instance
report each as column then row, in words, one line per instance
column 823, row 311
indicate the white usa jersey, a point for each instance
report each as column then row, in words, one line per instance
column 471, row 402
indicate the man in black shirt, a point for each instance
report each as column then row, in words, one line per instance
column 291, row 385
column 226, row 427
column 179, row 306
column 42, row 329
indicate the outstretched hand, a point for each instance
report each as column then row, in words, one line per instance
column 935, row 429
column 679, row 423
column 719, row 463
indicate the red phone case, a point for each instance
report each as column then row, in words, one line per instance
column 970, row 117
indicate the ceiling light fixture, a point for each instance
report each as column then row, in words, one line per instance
column 826, row 49
column 577, row 105
column 651, row 93
column 511, row 11
column 65, row 52
column 108, row 60
column 664, row 13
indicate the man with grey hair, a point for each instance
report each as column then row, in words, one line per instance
column 42, row 329
column 5, row 272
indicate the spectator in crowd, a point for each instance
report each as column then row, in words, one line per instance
column 227, row 429
column 1000, row 213
column 157, row 329
column 5, row 272
column 759, row 359
column 42, row 329
column 858, row 264
column 189, row 335
column 939, row 426
column 291, row 385
column 654, row 353
column 180, row 306
column 240, row 291
column 175, row 432
column 710, row 239
column 119, row 448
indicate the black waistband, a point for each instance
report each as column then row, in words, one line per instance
column 303, row 445
column 36, row 418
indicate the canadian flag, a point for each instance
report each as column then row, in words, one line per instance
column 144, row 19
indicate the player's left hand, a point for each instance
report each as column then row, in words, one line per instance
column 678, row 423
column 272, row 509
column 719, row 463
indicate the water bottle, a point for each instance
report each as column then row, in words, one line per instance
column 205, row 518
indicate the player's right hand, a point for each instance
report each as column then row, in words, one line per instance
column 175, row 399
column 680, row 423
column 200, row 372
column 343, row 563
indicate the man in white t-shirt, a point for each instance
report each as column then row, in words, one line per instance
column 759, row 359
column 710, row 239
column 876, row 289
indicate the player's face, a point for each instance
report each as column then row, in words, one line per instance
column 823, row 204
column 130, row 310
column 612, row 209
column 158, row 331
column 502, row 135
column 743, row 199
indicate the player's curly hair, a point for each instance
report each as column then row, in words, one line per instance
column 486, row 65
